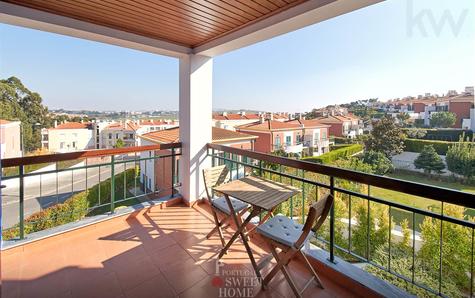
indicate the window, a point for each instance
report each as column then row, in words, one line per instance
column 116, row 135
column 288, row 140
column 324, row 134
column 131, row 135
column 110, row 136
column 61, row 145
column 277, row 140
column 74, row 144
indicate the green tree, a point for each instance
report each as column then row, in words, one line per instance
column 386, row 137
column 119, row 143
column 403, row 118
column 429, row 160
column 378, row 161
column 443, row 119
column 17, row 102
column 460, row 158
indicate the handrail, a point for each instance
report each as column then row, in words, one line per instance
column 418, row 189
column 47, row 158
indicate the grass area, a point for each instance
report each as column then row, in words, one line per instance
column 13, row 171
column 415, row 201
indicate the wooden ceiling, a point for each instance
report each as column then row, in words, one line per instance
column 185, row 22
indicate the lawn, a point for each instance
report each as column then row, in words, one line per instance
column 415, row 201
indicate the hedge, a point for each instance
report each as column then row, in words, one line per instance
column 451, row 135
column 416, row 145
column 341, row 140
column 74, row 208
column 336, row 154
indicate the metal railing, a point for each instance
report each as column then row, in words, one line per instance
column 314, row 179
column 70, row 186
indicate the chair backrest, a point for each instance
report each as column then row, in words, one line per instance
column 318, row 212
column 213, row 177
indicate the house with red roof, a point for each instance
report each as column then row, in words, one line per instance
column 348, row 126
column 68, row 137
column 149, row 168
column 291, row 136
column 10, row 142
column 230, row 121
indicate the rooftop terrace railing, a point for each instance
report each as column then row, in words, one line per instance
column 44, row 191
column 353, row 230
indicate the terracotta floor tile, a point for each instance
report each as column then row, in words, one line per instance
column 157, row 286
column 158, row 253
column 134, row 273
column 184, row 275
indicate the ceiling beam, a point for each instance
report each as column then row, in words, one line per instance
column 35, row 19
column 294, row 18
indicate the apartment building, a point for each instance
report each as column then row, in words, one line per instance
column 147, row 126
column 68, row 137
column 150, row 169
column 126, row 131
column 291, row 136
column 230, row 121
column 10, row 140
column 348, row 126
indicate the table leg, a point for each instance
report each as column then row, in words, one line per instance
column 254, row 213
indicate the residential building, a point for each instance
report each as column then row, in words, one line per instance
column 68, row 137
column 127, row 131
column 291, row 136
column 10, row 138
column 231, row 121
column 347, row 126
column 150, row 169
column 150, row 125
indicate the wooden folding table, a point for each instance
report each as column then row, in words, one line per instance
column 263, row 195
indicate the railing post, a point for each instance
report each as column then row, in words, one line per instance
column 213, row 162
column 260, row 168
column 112, row 183
column 173, row 172
column 332, row 221
column 22, row 204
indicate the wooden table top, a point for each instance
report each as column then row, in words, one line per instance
column 257, row 191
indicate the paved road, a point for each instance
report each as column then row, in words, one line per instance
column 41, row 191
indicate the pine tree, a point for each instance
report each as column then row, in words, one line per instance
column 429, row 161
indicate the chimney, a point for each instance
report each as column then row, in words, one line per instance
column 243, row 113
column 271, row 116
column 55, row 123
column 225, row 114
column 261, row 118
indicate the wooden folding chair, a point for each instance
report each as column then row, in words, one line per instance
column 283, row 233
column 213, row 177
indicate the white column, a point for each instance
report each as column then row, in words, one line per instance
column 196, row 82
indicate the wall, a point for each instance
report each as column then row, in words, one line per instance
column 418, row 107
column 461, row 110
column 263, row 142
column 83, row 139
column 336, row 129
column 10, row 143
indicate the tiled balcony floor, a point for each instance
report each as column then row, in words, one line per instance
column 156, row 253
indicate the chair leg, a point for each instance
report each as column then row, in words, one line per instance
column 310, row 267
column 290, row 281
column 217, row 228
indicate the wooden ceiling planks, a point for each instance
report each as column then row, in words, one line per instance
column 184, row 22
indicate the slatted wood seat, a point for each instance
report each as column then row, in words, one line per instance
column 213, row 177
column 283, row 233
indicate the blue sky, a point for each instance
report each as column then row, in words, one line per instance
column 364, row 54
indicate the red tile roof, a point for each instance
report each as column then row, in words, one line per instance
column 73, row 125
column 309, row 123
column 123, row 126
column 269, row 125
column 3, row 121
column 219, row 135
column 337, row 119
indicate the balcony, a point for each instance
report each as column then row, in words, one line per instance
column 100, row 227
column 129, row 243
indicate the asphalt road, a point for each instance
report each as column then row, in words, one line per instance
column 49, row 190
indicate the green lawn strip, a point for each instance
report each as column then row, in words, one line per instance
column 415, row 201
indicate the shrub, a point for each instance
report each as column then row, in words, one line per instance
column 416, row 133
column 461, row 159
column 335, row 154
column 414, row 145
column 450, row 134
column 341, row 140
column 429, row 160
column 378, row 162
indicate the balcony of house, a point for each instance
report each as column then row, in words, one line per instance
column 112, row 235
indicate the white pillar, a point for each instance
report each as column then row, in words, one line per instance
column 196, row 82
